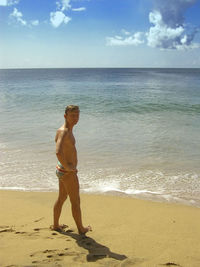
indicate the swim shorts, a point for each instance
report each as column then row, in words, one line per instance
column 60, row 171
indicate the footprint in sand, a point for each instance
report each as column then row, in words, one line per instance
column 38, row 220
column 20, row 232
column 50, row 255
column 36, row 229
column 171, row 264
column 11, row 266
column 7, row 230
column 34, row 234
column 11, row 229
column 26, row 234
column 4, row 226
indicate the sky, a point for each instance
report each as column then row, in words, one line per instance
column 99, row 33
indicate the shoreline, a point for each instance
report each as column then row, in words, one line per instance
column 126, row 232
column 141, row 195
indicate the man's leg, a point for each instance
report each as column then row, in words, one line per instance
column 58, row 205
column 71, row 184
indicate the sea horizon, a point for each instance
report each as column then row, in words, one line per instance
column 30, row 68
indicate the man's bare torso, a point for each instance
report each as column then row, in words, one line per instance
column 66, row 142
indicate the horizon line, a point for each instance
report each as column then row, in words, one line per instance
column 30, row 68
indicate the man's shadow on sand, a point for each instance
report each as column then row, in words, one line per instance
column 96, row 250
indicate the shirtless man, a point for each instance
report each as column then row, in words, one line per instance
column 66, row 170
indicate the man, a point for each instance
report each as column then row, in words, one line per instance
column 67, row 170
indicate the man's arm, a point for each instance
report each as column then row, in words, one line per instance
column 60, row 136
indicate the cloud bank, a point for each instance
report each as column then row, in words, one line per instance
column 168, row 30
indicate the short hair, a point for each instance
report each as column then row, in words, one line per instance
column 71, row 108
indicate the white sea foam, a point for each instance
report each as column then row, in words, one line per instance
column 16, row 188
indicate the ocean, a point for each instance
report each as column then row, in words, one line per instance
column 138, row 134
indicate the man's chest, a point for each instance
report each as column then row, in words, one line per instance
column 69, row 140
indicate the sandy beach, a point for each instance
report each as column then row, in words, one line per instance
column 126, row 232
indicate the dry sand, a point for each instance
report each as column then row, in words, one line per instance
column 126, row 232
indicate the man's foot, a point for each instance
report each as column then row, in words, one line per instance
column 58, row 228
column 84, row 230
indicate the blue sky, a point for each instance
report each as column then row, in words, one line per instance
column 99, row 33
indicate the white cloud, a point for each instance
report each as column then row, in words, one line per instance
column 125, row 32
column 135, row 39
column 57, row 18
column 79, row 9
column 17, row 15
column 169, row 30
column 118, row 37
column 8, row 2
column 64, row 5
column 3, row 2
column 35, row 22
column 163, row 36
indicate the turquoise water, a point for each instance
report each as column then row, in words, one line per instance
column 138, row 133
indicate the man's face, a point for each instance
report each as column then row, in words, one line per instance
column 72, row 117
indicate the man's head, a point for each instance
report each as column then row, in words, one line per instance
column 72, row 114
